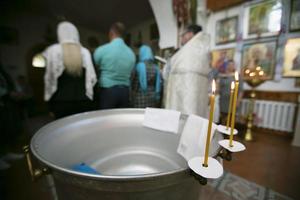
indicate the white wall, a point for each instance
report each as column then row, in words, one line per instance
column 281, row 83
column 32, row 30
column 166, row 21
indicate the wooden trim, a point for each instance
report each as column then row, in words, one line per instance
column 291, row 97
column 218, row 5
column 257, row 130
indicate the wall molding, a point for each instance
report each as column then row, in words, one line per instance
column 281, row 96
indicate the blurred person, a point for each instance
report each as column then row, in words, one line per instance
column 224, row 90
column 222, row 62
column 116, row 61
column 146, row 80
column 25, row 96
column 189, row 33
column 10, row 120
column 23, row 87
column 70, row 75
column 187, row 83
column 186, row 36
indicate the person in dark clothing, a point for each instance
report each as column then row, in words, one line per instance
column 25, row 97
column 10, row 120
column 70, row 75
column 70, row 96
column 146, row 80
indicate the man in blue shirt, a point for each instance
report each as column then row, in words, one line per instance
column 116, row 61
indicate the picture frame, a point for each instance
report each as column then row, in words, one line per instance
column 291, row 65
column 295, row 16
column 226, row 30
column 262, row 19
column 261, row 54
column 220, row 58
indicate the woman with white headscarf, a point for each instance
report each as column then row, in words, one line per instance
column 70, row 75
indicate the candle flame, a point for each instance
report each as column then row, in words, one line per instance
column 252, row 74
column 213, row 87
column 258, row 68
column 261, row 73
column 236, row 76
column 232, row 85
column 247, row 71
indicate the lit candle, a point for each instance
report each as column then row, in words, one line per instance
column 236, row 88
column 230, row 104
column 261, row 73
column 211, row 116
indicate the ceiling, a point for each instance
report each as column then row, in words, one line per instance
column 94, row 14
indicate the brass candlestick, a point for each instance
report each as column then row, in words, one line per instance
column 253, row 77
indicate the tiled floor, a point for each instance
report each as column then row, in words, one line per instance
column 270, row 161
column 233, row 187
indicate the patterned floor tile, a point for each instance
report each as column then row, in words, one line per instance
column 236, row 188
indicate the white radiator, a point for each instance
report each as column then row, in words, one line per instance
column 272, row 114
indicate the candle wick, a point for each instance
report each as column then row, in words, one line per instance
column 204, row 165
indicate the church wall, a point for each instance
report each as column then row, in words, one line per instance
column 279, row 83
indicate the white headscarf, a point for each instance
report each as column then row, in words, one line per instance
column 67, row 34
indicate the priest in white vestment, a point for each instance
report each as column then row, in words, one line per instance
column 187, row 82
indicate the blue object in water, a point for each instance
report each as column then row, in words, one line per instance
column 82, row 167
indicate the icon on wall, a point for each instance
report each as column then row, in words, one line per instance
column 220, row 59
column 291, row 67
column 226, row 30
column 263, row 19
column 261, row 54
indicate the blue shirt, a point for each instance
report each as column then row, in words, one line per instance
column 116, row 61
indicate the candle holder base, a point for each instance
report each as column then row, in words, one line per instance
column 200, row 179
column 224, row 130
column 237, row 146
column 225, row 154
column 248, row 135
column 214, row 169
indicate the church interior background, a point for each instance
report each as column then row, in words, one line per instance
column 241, row 30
